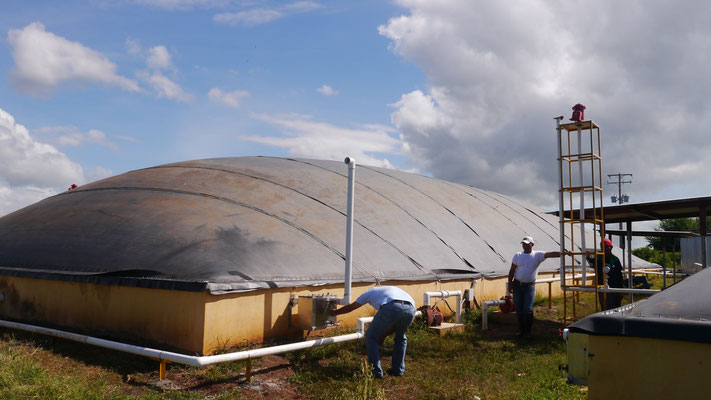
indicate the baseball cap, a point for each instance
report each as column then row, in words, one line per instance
column 607, row 242
column 527, row 240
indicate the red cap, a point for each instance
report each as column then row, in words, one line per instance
column 607, row 242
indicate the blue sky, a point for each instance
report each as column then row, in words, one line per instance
column 274, row 69
column 463, row 90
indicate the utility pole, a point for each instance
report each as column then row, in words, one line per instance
column 620, row 181
column 620, row 198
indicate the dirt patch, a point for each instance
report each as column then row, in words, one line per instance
column 505, row 325
column 270, row 379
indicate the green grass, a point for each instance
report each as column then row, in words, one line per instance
column 24, row 377
column 492, row 364
column 457, row 366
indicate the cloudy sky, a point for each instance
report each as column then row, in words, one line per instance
column 460, row 90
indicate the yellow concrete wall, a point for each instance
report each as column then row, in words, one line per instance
column 239, row 318
column 154, row 315
column 637, row 368
column 197, row 322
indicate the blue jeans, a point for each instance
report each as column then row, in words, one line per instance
column 523, row 296
column 397, row 315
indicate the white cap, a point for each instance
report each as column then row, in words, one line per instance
column 527, row 240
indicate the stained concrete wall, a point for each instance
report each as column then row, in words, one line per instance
column 147, row 316
column 197, row 322
column 639, row 368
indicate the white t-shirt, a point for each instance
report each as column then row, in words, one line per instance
column 380, row 295
column 527, row 265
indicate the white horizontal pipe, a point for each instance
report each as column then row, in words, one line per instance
column 626, row 290
column 486, row 304
column 612, row 290
column 546, row 280
column 445, row 294
column 193, row 361
column 285, row 348
column 484, row 311
column 668, row 272
column 578, row 288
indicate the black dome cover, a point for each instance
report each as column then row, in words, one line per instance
column 234, row 224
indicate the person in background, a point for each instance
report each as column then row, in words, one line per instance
column 522, row 282
column 608, row 264
column 396, row 311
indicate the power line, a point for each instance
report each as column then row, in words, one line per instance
column 619, row 199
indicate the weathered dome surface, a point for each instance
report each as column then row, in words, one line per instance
column 233, row 224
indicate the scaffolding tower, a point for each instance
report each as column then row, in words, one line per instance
column 580, row 183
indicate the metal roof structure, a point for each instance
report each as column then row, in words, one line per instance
column 656, row 210
column 662, row 234
column 653, row 210
column 237, row 224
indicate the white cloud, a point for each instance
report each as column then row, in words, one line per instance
column 249, row 18
column 313, row 139
column 185, row 4
column 231, row 99
column 159, row 58
column 133, row 46
column 327, row 90
column 498, row 75
column 44, row 60
column 30, row 170
column 98, row 137
column 13, row 198
column 258, row 16
column 72, row 136
column 164, row 87
column 127, row 138
column 302, row 6
column 98, row 173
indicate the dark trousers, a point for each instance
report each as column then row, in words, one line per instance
column 523, row 296
column 609, row 301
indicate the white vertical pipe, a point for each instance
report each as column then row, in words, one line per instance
column 349, row 231
column 459, row 307
column 560, row 202
column 485, row 311
column 629, row 258
column 582, row 201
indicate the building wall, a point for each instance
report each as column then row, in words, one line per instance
column 691, row 258
column 197, row 322
column 239, row 318
column 145, row 316
column 639, row 368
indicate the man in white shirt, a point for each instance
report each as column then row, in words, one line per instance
column 522, row 282
column 396, row 310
